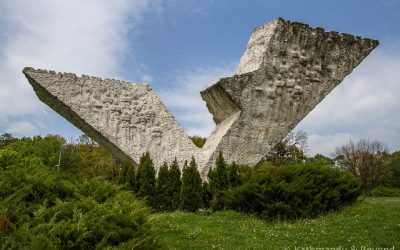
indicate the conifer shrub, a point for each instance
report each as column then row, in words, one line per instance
column 206, row 195
column 164, row 197
column 234, row 175
column 127, row 174
column 84, row 223
column 296, row 191
column 218, row 182
column 43, row 209
column 191, row 188
column 146, row 180
column 174, row 186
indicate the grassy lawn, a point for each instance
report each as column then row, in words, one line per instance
column 372, row 223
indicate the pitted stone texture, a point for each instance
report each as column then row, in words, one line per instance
column 287, row 69
column 128, row 119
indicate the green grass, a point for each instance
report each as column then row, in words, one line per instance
column 372, row 223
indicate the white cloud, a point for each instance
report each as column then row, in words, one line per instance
column 185, row 101
column 366, row 105
column 25, row 128
column 89, row 37
column 325, row 144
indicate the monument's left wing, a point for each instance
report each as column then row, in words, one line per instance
column 128, row 119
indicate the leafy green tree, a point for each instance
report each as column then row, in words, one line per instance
column 164, row 197
column 365, row 159
column 95, row 160
column 191, row 187
column 198, row 141
column 289, row 150
column 393, row 162
column 218, row 180
column 146, row 180
column 46, row 148
column 5, row 139
column 319, row 158
column 70, row 161
column 8, row 158
column 174, row 185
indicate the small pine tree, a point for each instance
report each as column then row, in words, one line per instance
column 191, row 187
column 206, row 195
column 127, row 174
column 164, row 197
column 233, row 175
column 218, row 181
column 174, row 185
column 146, row 180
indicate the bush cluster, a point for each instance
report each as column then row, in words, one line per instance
column 43, row 209
column 290, row 192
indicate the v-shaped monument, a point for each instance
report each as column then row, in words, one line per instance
column 286, row 70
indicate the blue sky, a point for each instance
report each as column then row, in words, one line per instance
column 181, row 46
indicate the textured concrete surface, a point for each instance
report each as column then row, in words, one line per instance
column 128, row 119
column 286, row 70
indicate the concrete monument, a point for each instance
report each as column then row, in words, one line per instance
column 286, row 70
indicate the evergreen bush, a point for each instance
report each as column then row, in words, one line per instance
column 127, row 174
column 146, row 180
column 206, row 195
column 43, row 209
column 219, row 182
column 297, row 191
column 164, row 197
column 234, row 175
column 174, row 186
column 191, row 187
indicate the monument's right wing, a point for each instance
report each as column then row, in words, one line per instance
column 287, row 69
